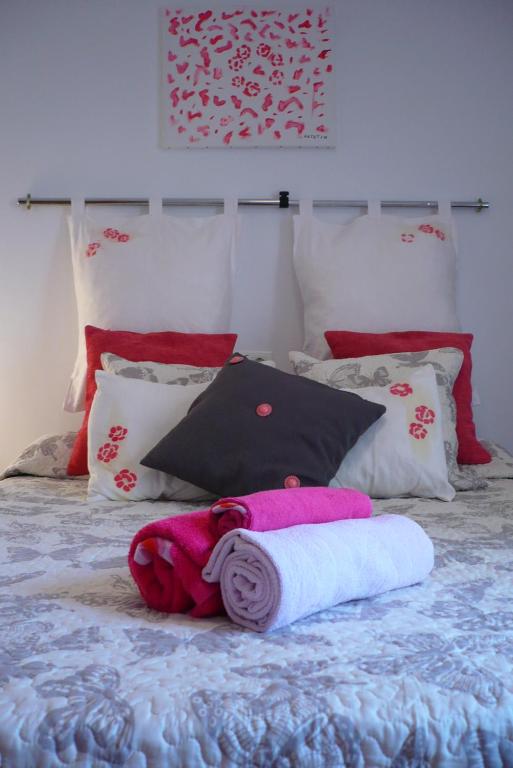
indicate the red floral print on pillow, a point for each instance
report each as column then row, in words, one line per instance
column 238, row 81
column 125, row 480
column 424, row 414
column 402, row 390
column 123, row 237
column 407, row 237
column 107, row 452
column 440, row 235
column 276, row 60
column 427, row 228
column 111, row 234
column 117, row 433
column 92, row 249
column 417, row 431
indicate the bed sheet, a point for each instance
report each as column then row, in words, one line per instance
column 90, row 677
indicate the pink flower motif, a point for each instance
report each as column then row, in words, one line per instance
column 276, row 78
column 123, row 238
column 424, row 414
column 235, row 63
column 92, row 248
column 238, row 81
column 417, row 431
column 243, row 52
column 111, row 234
column 407, row 237
column 118, row 433
column 427, row 228
column 402, row 390
column 107, row 452
column 226, row 120
column 125, row 480
column 252, row 88
column 276, row 60
column 440, row 235
column 263, row 50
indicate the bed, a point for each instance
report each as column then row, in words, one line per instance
column 91, row 677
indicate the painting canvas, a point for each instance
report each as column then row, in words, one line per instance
column 247, row 78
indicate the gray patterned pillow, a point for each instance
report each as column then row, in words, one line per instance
column 48, row 456
column 500, row 467
column 161, row 373
column 382, row 370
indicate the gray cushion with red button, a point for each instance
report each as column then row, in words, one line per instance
column 255, row 428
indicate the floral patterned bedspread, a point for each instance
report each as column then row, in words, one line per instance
column 89, row 676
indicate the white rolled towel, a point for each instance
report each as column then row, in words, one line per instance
column 270, row 579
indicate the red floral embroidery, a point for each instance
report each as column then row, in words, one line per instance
column 417, row 431
column 440, row 235
column 276, row 60
column 92, row 249
column 123, row 238
column 243, row 52
column 407, row 237
column 427, row 228
column 111, row 234
column 235, row 63
column 107, row 452
column 118, row 433
column 263, row 50
column 126, row 480
column 424, row 414
column 276, row 78
column 252, row 88
column 402, row 390
column 238, row 81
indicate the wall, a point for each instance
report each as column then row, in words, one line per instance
column 425, row 108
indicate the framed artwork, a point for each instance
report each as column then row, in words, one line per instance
column 247, row 78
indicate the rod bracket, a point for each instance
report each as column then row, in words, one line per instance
column 28, row 202
column 481, row 205
column 284, row 200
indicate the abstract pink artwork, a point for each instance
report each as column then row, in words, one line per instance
column 247, row 78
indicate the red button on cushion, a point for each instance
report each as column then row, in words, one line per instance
column 264, row 409
column 292, row 481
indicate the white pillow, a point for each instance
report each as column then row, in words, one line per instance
column 402, row 454
column 150, row 273
column 382, row 370
column 128, row 417
column 378, row 273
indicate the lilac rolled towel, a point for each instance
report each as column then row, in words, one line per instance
column 270, row 579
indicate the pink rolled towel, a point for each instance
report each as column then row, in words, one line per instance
column 167, row 556
column 272, row 510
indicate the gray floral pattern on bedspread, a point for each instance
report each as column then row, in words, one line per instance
column 90, row 677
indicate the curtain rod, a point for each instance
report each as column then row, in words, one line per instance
column 282, row 201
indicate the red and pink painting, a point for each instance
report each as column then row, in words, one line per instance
column 247, row 78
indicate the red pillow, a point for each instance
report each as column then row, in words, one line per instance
column 345, row 344
column 208, row 349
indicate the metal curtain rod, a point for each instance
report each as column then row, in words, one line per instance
column 282, row 201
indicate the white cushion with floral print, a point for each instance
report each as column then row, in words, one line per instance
column 402, row 454
column 149, row 272
column 128, row 417
column 375, row 273
column 382, row 370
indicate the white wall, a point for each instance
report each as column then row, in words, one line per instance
column 425, row 107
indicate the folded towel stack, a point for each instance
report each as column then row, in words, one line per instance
column 270, row 579
column 166, row 557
